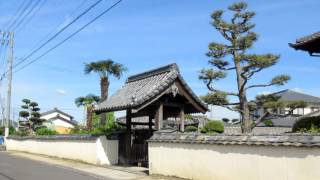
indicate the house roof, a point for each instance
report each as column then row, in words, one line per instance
column 57, row 111
column 145, row 87
column 291, row 95
column 288, row 121
column 63, row 119
column 310, row 43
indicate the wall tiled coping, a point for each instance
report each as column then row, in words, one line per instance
column 294, row 140
column 55, row 137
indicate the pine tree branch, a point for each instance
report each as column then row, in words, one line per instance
column 260, row 119
column 227, row 106
column 260, row 85
column 209, row 86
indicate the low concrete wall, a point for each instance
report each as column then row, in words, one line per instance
column 244, row 158
column 94, row 150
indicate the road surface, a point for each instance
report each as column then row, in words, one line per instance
column 18, row 168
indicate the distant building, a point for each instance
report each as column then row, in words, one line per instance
column 59, row 120
column 312, row 109
column 313, row 103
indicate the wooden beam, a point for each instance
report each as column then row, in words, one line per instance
column 173, row 104
column 159, row 117
column 128, row 120
column 142, row 123
column 182, row 119
column 189, row 97
column 128, row 141
column 150, row 124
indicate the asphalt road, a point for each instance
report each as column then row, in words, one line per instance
column 17, row 168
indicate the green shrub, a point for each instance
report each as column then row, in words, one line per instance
column 21, row 132
column 268, row 123
column 45, row 132
column 213, row 127
column 308, row 124
column 109, row 128
column 11, row 130
column 191, row 129
column 79, row 130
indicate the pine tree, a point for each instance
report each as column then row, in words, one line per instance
column 234, row 56
column 31, row 116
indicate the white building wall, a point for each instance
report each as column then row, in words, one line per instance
column 230, row 162
column 100, row 151
column 59, row 122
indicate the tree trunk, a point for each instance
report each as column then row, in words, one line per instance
column 246, row 121
column 89, row 117
column 104, row 85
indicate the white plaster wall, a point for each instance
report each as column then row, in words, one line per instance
column 54, row 114
column 100, row 151
column 59, row 122
column 227, row 162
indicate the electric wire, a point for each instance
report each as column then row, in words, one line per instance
column 56, row 34
column 14, row 15
column 66, row 39
column 17, row 19
column 30, row 18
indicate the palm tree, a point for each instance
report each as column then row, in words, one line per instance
column 105, row 69
column 87, row 102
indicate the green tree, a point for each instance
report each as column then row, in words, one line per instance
column 30, row 115
column 233, row 55
column 105, row 69
column 87, row 102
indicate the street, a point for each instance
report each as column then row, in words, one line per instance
column 18, row 168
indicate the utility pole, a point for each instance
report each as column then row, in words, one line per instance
column 2, row 44
column 10, row 62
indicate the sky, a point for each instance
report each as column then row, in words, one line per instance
column 144, row 34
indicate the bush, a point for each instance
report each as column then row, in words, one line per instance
column 268, row 123
column 11, row 130
column 108, row 129
column 45, row 132
column 191, row 129
column 308, row 124
column 79, row 130
column 21, row 132
column 213, row 127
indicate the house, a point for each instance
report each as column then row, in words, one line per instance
column 312, row 109
column 309, row 43
column 313, row 103
column 58, row 120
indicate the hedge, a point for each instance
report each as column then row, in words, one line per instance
column 213, row 127
column 191, row 129
column 307, row 124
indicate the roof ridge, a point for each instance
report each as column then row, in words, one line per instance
column 308, row 37
column 153, row 72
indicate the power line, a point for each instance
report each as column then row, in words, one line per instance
column 60, row 24
column 56, row 34
column 34, row 12
column 15, row 14
column 69, row 37
column 20, row 15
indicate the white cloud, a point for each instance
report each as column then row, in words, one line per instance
column 61, row 92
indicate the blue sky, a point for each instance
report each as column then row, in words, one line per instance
column 144, row 34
